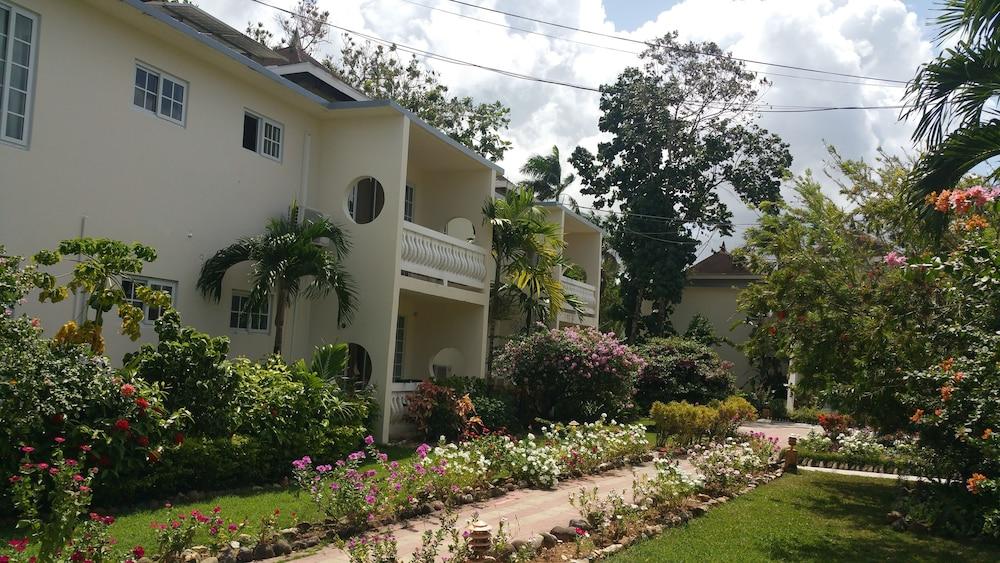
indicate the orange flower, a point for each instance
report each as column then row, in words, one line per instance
column 975, row 222
column 938, row 412
column 973, row 483
column 959, row 376
column 931, row 198
column 947, row 364
column 917, row 415
column 946, row 392
column 942, row 201
column 987, row 433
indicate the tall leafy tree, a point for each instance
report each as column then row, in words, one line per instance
column 953, row 99
column 382, row 73
column 292, row 257
column 681, row 131
column 544, row 173
column 526, row 250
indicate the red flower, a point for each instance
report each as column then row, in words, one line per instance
column 179, row 438
column 581, row 532
column 19, row 545
column 85, row 448
column 128, row 389
column 27, row 449
column 84, row 489
column 14, row 478
column 138, row 552
column 772, row 330
column 142, row 403
column 142, row 441
column 122, row 424
column 108, row 520
column 58, row 418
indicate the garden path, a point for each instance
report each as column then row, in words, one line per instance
column 530, row 511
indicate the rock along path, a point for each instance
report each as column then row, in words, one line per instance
column 531, row 511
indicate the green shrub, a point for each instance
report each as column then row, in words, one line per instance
column 680, row 369
column 731, row 413
column 687, row 423
column 494, row 402
column 569, row 374
column 192, row 368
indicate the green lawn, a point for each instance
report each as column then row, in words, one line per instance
column 806, row 517
column 133, row 528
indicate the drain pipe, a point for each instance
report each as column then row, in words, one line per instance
column 303, row 197
column 79, row 312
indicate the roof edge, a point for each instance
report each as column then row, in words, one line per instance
column 421, row 123
column 566, row 209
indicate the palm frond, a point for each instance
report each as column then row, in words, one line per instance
column 213, row 271
column 973, row 19
column 944, row 166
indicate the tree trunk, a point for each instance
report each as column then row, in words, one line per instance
column 492, row 323
column 633, row 323
column 279, row 320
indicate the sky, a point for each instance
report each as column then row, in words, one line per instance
column 881, row 38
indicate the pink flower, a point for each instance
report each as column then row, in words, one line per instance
column 128, row 389
column 27, row 449
column 894, row 259
column 369, row 440
column 59, row 439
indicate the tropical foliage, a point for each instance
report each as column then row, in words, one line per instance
column 679, row 130
column 952, row 99
column 679, row 369
column 570, row 374
column 291, row 252
column 544, row 175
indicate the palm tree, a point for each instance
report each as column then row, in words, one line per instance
column 526, row 250
column 953, row 91
column 287, row 254
column 545, row 177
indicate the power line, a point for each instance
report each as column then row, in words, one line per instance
column 680, row 49
column 758, row 108
column 626, row 51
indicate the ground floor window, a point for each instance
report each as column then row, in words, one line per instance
column 131, row 284
column 242, row 316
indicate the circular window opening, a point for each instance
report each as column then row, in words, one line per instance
column 358, row 374
column 365, row 200
column 448, row 362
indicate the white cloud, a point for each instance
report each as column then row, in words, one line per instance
column 863, row 37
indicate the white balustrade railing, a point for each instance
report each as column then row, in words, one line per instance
column 586, row 293
column 397, row 399
column 436, row 255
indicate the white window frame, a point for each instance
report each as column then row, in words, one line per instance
column 250, row 314
column 409, row 203
column 150, row 282
column 161, row 76
column 399, row 353
column 262, row 124
column 5, row 87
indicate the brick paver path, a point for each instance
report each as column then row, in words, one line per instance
column 530, row 511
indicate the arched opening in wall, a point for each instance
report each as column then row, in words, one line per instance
column 575, row 272
column 365, row 200
column 461, row 228
column 448, row 362
column 358, row 373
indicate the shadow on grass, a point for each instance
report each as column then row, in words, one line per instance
column 857, row 511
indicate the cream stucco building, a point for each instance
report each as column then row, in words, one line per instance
column 711, row 288
column 158, row 123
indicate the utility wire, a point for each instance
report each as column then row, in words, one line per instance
column 679, row 49
column 760, row 108
column 636, row 53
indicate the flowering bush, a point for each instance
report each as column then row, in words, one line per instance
column 728, row 467
column 861, row 442
column 833, row 423
column 667, row 489
column 816, row 442
column 680, row 369
column 440, row 411
column 570, row 374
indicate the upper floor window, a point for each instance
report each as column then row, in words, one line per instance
column 150, row 313
column 408, row 204
column 160, row 93
column 18, row 42
column 262, row 135
column 365, row 200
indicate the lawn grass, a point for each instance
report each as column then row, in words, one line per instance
column 806, row 517
column 133, row 527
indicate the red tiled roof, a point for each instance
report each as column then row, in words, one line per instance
column 719, row 263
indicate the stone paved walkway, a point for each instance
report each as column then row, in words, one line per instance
column 530, row 511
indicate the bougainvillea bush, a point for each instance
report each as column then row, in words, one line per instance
column 681, row 369
column 570, row 374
